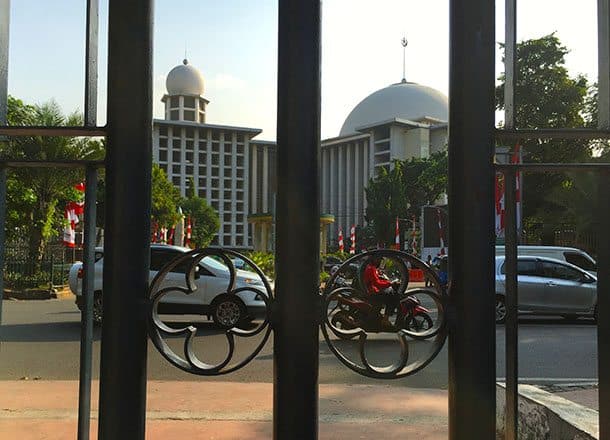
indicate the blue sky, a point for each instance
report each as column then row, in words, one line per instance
column 233, row 43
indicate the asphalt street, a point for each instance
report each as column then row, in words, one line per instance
column 40, row 340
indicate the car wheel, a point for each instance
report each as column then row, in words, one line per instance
column 98, row 308
column 228, row 311
column 500, row 310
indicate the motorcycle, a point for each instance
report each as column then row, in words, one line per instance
column 358, row 312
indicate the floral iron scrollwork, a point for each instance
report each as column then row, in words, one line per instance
column 225, row 308
column 353, row 325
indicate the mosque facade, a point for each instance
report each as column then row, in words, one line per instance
column 235, row 172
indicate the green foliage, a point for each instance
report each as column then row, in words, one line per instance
column 402, row 191
column 546, row 97
column 165, row 199
column 35, row 196
column 204, row 220
column 265, row 261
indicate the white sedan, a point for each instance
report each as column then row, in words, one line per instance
column 210, row 298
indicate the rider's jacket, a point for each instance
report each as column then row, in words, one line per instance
column 372, row 281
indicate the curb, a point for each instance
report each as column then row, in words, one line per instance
column 543, row 415
column 37, row 294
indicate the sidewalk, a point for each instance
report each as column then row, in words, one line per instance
column 47, row 410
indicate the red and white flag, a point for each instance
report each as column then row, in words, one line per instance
column 189, row 230
column 413, row 238
column 341, row 247
column 80, row 187
column 352, row 236
column 397, row 236
column 71, row 213
column 170, row 235
column 441, row 232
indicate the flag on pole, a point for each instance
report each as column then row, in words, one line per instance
column 352, row 248
column 170, row 235
column 341, row 248
column 80, row 186
column 397, row 236
column 71, row 213
column 500, row 208
column 516, row 159
column 441, row 233
column 153, row 237
column 413, row 238
column 189, row 230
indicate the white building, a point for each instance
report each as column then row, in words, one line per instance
column 235, row 173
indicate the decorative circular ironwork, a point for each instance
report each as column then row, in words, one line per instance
column 225, row 308
column 354, row 318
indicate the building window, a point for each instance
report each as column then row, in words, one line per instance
column 164, row 168
column 227, row 241
column 227, row 229
column 202, row 193
column 189, row 145
column 189, row 169
column 228, row 194
column 215, row 195
column 189, row 156
column 201, row 181
column 227, row 206
column 163, row 143
column 240, row 173
column 175, row 101
column 189, row 115
column 174, row 115
column 215, row 135
column 239, row 206
column 202, row 158
column 215, row 159
column 228, row 172
column 215, row 172
column 163, row 155
column 176, row 180
column 163, row 130
column 202, row 171
column 215, row 147
column 176, row 143
column 201, row 118
column 228, row 148
column 239, row 229
column 227, row 218
column 240, row 149
column 176, row 156
column 240, row 184
column 227, row 161
column 240, row 137
column 214, row 183
column 176, row 169
column 240, row 161
column 190, row 132
column 189, row 101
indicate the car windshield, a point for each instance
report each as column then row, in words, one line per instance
column 214, row 264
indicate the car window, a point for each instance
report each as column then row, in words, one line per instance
column 580, row 261
column 556, row 270
column 525, row 267
column 160, row 257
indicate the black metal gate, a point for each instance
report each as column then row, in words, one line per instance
column 130, row 310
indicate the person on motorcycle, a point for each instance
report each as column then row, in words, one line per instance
column 380, row 290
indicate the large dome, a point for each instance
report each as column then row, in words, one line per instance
column 184, row 80
column 405, row 100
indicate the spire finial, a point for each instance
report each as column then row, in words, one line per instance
column 185, row 61
column 404, row 43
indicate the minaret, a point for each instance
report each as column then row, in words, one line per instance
column 184, row 100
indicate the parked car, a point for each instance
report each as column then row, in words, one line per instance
column 548, row 286
column 210, row 298
column 570, row 255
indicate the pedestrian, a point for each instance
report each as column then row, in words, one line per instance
column 429, row 263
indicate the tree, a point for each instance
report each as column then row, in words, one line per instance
column 546, row 97
column 34, row 195
column 204, row 218
column 403, row 190
column 165, row 199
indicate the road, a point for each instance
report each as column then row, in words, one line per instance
column 40, row 339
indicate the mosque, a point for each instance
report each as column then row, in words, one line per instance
column 235, row 172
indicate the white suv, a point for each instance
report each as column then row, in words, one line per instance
column 209, row 299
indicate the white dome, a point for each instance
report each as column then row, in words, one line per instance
column 184, row 80
column 403, row 100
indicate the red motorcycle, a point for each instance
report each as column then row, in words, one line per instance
column 352, row 312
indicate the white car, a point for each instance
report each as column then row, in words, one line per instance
column 209, row 299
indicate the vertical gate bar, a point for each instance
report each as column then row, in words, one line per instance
column 296, row 318
column 127, row 246
column 5, row 15
column 511, row 330
column 603, row 273
column 92, row 39
column 2, row 234
column 472, row 343
column 510, row 62
column 86, row 334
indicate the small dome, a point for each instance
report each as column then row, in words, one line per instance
column 405, row 100
column 184, row 80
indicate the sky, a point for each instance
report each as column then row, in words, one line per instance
column 233, row 43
